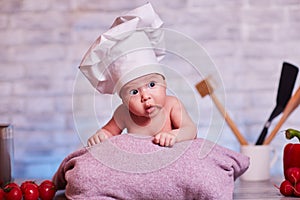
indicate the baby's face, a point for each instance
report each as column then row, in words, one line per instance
column 145, row 96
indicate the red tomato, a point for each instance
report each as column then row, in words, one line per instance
column 12, row 184
column 1, row 194
column 25, row 183
column 30, row 191
column 12, row 192
column 47, row 190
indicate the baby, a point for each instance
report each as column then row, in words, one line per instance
column 129, row 66
column 147, row 110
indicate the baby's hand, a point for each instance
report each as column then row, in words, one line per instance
column 165, row 139
column 100, row 136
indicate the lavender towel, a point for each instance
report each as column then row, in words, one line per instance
column 131, row 167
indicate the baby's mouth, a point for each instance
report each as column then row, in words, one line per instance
column 149, row 108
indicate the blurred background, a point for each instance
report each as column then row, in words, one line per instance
column 42, row 44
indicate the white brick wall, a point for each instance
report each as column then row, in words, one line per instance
column 41, row 45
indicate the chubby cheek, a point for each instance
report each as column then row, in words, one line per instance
column 131, row 105
column 134, row 105
column 160, row 99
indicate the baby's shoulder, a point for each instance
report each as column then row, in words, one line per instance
column 172, row 100
column 121, row 115
column 120, row 110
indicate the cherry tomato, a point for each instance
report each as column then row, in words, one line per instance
column 47, row 190
column 30, row 191
column 12, row 192
column 25, row 183
column 12, row 184
column 1, row 194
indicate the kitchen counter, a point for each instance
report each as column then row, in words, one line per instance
column 257, row 190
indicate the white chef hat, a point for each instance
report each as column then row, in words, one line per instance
column 131, row 48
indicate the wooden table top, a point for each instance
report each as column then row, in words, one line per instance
column 257, row 190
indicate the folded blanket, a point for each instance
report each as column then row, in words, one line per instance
column 131, row 167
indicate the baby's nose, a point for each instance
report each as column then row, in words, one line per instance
column 145, row 96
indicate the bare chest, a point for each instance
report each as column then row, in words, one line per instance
column 160, row 123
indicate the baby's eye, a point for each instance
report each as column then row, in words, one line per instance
column 151, row 84
column 133, row 92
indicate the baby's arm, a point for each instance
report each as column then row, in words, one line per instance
column 109, row 130
column 183, row 127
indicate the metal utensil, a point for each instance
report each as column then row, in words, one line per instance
column 6, row 154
